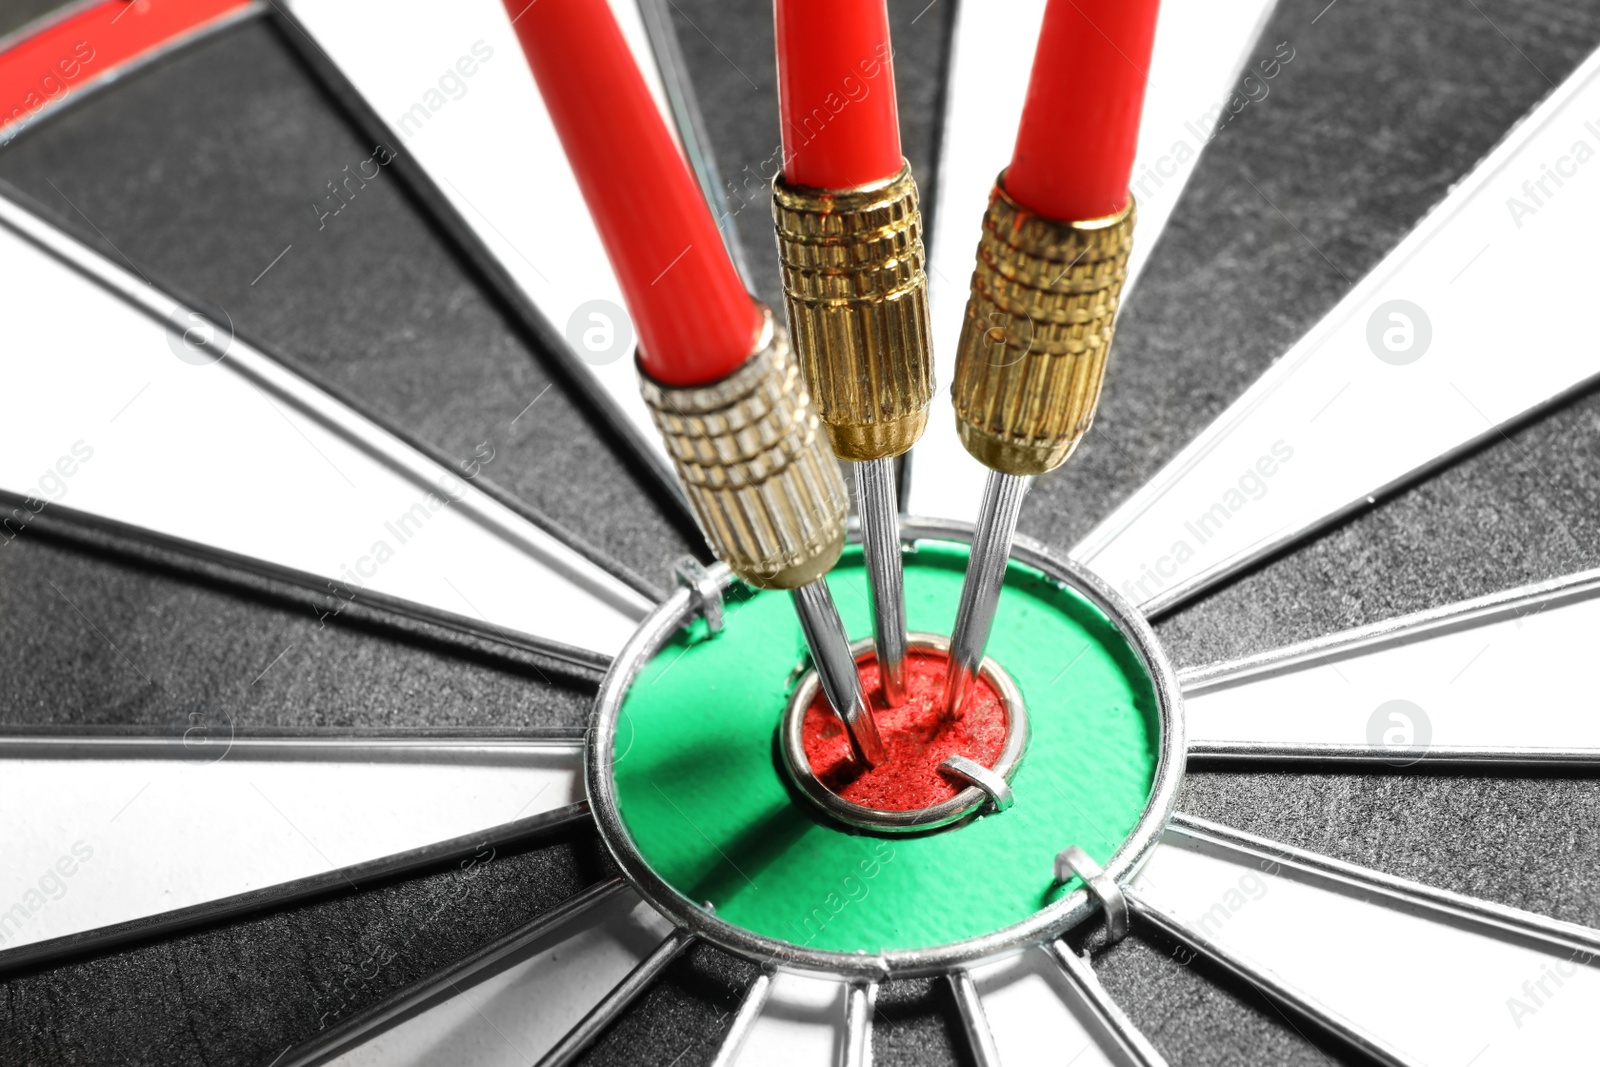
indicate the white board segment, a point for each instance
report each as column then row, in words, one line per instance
column 103, row 841
column 517, row 1015
column 487, row 142
column 801, row 1024
column 1442, row 995
column 1037, row 1017
column 1203, row 55
column 243, row 455
column 1479, row 316
column 1511, row 671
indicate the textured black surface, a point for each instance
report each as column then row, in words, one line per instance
column 915, row 1022
column 1532, row 842
column 1384, row 106
column 90, row 638
column 682, row 1018
column 204, row 189
column 247, row 991
column 16, row 14
column 1196, row 1016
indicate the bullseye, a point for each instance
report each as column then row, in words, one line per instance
column 917, row 736
column 925, row 781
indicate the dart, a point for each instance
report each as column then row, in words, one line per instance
column 850, row 248
column 1045, row 289
column 714, row 368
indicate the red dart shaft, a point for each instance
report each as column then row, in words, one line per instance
column 1052, row 260
column 850, row 245
column 716, row 373
column 1080, row 123
column 696, row 322
column 836, row 93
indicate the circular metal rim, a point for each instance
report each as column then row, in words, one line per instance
column 1043, row 925
column 791, row 745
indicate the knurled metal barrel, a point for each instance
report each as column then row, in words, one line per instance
column 767, row 494
column 856, row 290
column 1033, row 345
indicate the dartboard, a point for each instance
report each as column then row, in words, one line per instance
column 353, row 622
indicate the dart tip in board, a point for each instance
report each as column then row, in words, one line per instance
column 923, row 783
column 917, row 737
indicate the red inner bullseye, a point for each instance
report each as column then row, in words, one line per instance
column 916, row 739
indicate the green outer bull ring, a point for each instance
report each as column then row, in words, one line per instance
column 1049, row 922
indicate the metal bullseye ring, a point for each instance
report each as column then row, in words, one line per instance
column 791, row 744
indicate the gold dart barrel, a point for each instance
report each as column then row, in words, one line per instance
column 1033, row 345
column 767, row 495
column 856, row 287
